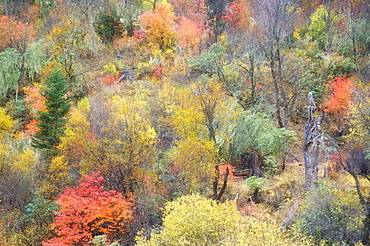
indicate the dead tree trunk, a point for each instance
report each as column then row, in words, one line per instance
column 311, row 146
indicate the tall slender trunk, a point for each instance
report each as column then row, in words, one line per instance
column 311, row 145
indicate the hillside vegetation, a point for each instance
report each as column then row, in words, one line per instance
column 182, row 122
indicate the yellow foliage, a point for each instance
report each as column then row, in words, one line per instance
column 201, row 118
column 195, row 220
column 57, row 178
column 6, row 121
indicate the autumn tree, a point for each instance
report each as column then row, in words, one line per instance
column 88, row 210
column 52, row 121
column 337, row 106
column 193, row 21
column 236, row 16
column 159, row 26
column 73, row 46
column 15, row 34
column 189, row 34
column 330, row 214
column 200, row 120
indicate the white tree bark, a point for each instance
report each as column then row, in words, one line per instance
column 311, row 146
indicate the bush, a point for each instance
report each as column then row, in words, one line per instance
column 195, row 220
column 331, row 215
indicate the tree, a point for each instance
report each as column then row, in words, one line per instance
column 52, row 121
column 311, row 145
column 236, row 16
column 216, row 10
column 338, row 105
column 201, row 121
column 275, row 18
column 159, row 26
column 107, row 25
column 73, row 46
column 189, row 35
column 255, row 135
column 88, row 210
column 18, row 68
column 331, row 214
column 15, row 34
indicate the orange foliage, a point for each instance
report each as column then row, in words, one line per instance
column 223, row 170
column 15, row 34
column 108, row 79
column 89, row 210
column 159, row 25
column 158, row 72
column 341, row 92
column 189, row 34
column 35, row 102
column 338, row 104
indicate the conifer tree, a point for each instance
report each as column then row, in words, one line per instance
column 52, row 121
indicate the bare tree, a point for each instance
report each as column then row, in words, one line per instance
column 276, row 21
column 311, row 146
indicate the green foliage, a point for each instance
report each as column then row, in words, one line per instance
column 52, row 121
column 101, row 240
column 107, row 25
column 255, row 131
column 9, row 71
column 255, row 183
column 39, row 214
column 14, row 65
column 210, row 60
column 331, row 215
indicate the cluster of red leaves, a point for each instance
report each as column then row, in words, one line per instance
column 108, row 79
column 14, row 33
column 89, row 210
column 341, row 92
column 236, row 16
column 158, row 72
column 341, row 89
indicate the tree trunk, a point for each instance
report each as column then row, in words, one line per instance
column 311, row 145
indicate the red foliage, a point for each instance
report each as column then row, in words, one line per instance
column 88, row 210
column 158, row 72
column 196, row 11
column 139, row 35
column 338, row 104
column 108, row 79
column 236, row 16
column 341, row 89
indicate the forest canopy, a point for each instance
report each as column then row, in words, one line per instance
column 184, row 122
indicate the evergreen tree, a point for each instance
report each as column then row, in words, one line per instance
column 52, row 121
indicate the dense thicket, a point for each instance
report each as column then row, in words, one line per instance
column 145, row 117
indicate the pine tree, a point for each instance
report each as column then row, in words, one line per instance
column 52, row 121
